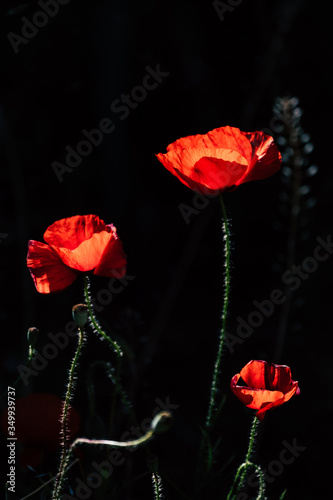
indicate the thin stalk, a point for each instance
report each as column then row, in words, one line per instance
column 116, row 348
column 206, row 447
column 31, row 353
column 155, row 428
column 157, row 485
column 115, row 379
column 95, row 442
column 49, row 481
column 262, row 486
column 69, row 395
column 243, row 468
column 217, row 366
column 93, row 320
column 115, row 444
column 114, row 395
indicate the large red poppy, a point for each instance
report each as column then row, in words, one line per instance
column 266, row 386
column 38, row 427
column 82, row 244
column 222, row 159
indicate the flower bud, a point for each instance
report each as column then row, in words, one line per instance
column 32, row 336
column 80, row 314
column 161, row 422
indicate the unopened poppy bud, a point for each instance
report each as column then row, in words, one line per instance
column 152, row 463
column 161, row 422
column 32, row 336
column 80, row 314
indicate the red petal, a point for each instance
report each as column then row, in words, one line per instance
column 102, row 253
column 262, row 375
column 280, row 377
column 47, row 269
column 268, row 385
column 266, row 158
column 88, row 254
column 113, row 261
column 255, row 398
column 219, row 138
column 205, row 170
column 254, row 374
column 294, row 389
column 195, row 159
column 269, row 405
column 72, row 231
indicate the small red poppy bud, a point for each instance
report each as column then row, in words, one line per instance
column 80, row 314
column 161, row 422
column 32, row 336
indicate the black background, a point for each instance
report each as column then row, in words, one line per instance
column 220, row 72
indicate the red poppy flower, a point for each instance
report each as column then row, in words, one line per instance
column 37, row 426
column 222, row 159
column 267, row 386
column 82, row 244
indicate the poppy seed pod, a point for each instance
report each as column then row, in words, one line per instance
column 80, row 314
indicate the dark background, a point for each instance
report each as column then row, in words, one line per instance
column 220, row 72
